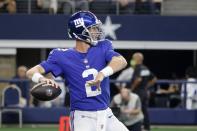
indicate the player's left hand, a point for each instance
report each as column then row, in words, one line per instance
column 99, row 78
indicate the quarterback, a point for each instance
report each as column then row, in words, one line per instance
column 86, row 68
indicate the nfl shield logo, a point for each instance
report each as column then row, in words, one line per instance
column 85, row 61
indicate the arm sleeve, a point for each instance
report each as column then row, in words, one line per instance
column 51, row 64
column 109, row 51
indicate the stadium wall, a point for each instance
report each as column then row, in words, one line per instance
column 158, row 116
column 143, row 28
column 138, row 32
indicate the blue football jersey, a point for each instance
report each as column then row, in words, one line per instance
column 78, row 68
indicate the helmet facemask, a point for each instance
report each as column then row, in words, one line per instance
column 94, row 33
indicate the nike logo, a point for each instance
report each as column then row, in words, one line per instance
column 83, row 116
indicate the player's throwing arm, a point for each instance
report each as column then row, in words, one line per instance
column 117, row 63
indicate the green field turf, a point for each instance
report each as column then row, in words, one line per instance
column 56, row 129
column 29, row 129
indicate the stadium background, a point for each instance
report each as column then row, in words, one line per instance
column 167, row 40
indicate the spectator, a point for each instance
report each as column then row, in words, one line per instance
column 50, row 5
column 8, row 6
column 172, row 92
column 18, row 80
column 142, row 79
column 125, row 6
column 125, row 75
column 144, row 7
column 102, row 6
column 191, row 88
column 130, row 109
column 71, row 6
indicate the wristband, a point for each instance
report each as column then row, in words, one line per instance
column 107, row 71
column 36, row 77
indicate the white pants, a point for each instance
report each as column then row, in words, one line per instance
column 103, row 120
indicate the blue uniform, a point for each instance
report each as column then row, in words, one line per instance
column 78, row 68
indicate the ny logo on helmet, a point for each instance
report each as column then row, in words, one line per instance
column 79, row 22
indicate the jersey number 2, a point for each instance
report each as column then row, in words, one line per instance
column 89, row 91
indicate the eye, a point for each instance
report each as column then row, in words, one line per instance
column 94, row 29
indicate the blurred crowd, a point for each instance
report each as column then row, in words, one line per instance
column 70, row 6
column 139, row 89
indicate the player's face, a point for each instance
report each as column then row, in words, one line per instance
column 96, row 32
column 22, row 72
column 124, row 94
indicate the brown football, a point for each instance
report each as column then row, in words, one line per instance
column 45, row 93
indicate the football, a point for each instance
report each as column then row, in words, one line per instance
column 45, row 93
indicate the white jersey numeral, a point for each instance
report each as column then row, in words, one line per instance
column 89, row 91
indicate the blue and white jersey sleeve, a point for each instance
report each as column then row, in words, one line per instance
column 51, row 64
column 109, row 51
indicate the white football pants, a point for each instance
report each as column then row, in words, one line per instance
column 103, row 120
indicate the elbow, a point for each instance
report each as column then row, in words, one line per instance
column 35, row 69
column 29, row 73
column 124, row 62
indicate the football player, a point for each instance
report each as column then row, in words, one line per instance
column 86, row 68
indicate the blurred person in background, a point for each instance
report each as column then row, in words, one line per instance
column 142, row 79
column 130, row 109
column 50, row 5
column 102, row 6
column 144, row 7
column 191, row 88
column 125, row 6
column 20, row 80
column 71, row 6
column 172, row 92
column 8, row 6
column 125, row 75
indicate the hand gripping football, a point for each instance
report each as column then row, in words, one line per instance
column 45, row 93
